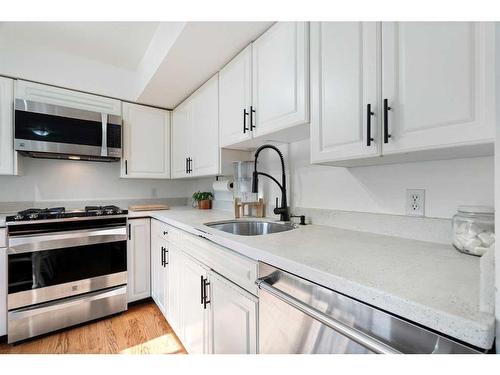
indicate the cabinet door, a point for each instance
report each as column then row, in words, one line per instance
column 173, row 308
column 181, row 137
column 146, row 142
column 155, row 260
column 138, row 260
column 194, row 316
column 344, row 71
column 281, row 77
column 234, row 318
column 6, row 126
column 67, row 98
column 3, row 291
column 438, row 79
column 205, row 129
column 158, row 268
column 235, row 98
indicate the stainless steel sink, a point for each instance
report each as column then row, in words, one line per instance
column 250, row 227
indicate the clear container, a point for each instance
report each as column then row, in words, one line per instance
column 474, row 229
column 243, row 173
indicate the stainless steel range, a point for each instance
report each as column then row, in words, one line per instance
column 65, row 268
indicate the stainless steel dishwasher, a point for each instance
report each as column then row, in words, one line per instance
column 298, row 316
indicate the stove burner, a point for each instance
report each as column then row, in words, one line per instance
column 61, row 213
column 104, row 210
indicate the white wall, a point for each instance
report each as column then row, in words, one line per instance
column 46, row 180
column 381, row 189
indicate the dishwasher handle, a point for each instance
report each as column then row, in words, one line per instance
column 352, row 333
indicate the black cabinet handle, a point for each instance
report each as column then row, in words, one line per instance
column 369, row 115
column 162, row 256
column 126, row 167
column 129, row 230
column 202, row 286
column 165, row 232
column 252, row 111
column 245, row 114
column 386, row 121
column 187, row 165
column 206, row 301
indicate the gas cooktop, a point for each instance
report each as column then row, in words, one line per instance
column 32, row 214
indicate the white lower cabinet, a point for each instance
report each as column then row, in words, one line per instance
column 138, row 259
column 159, row 266
column 194, row 310
column 234, row 318
column 3, row 290
column 209, row 313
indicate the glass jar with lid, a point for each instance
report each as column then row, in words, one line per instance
column 474, row 229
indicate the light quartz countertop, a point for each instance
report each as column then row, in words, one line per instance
column 424, row 282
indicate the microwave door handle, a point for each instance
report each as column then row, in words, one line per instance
column 104, row 145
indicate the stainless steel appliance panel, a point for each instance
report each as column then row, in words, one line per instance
column 51, row 131
column 298, row 316
column 49, row 293
column 44, row 318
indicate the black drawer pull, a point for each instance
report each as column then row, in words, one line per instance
column 245, row 114
column 369, row 114
column 386, row 121
column 252, row 111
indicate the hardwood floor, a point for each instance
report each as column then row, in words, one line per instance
column 140, row 330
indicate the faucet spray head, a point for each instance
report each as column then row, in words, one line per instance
column 255, row 182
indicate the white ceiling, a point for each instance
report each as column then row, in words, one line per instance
column 156, row 63
column 121, row 44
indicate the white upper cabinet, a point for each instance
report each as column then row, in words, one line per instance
column 205, row 129
column 195, row 133
column 433, row 100
column 146, row 142
column 181, row 138
column 344, row 71
column 6, row 126
column 281, row 78
column 67, row 98
column 235, row 99
column 438, row 79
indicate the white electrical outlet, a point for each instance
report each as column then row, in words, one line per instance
column 415, row 202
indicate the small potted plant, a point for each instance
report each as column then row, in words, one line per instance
column 203, row 199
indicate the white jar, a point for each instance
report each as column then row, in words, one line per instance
column 474, row 229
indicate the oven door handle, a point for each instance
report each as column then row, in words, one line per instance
column 28, row 244
column 57, row 305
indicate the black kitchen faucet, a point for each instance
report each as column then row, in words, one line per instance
column 283, row 210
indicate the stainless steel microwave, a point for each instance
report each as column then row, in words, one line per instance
column 51, row 131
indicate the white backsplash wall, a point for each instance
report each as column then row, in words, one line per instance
column 380, row 189
column 66, row 180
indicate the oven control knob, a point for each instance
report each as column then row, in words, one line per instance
column 18, row 217
column 98, row 212
column 33, row 216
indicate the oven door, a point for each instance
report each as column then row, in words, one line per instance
column 50, row 266
column 51, row 129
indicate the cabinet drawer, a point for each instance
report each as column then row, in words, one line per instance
column 3, row 237
column 237, row 268
column 160, row 229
